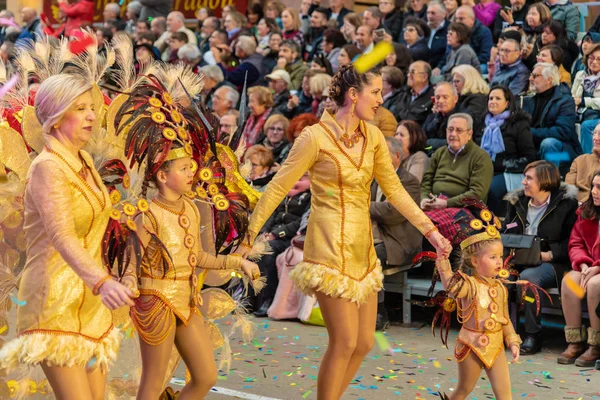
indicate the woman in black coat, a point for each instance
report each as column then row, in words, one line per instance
column 416, row 34
column 393, row 18
column 515, row 150
column 545, row 208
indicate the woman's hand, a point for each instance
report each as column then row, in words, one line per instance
column 250, row 269
column 546, row 256
column 589, row 274
column 441, row 244
column 115, row 295
column 515, row 349
column 436, row 72
column 577, row 101
column 130, row 283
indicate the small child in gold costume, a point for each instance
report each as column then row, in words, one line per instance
column 482, row 303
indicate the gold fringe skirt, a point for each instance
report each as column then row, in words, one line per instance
column 310, row 278
column 61, row 349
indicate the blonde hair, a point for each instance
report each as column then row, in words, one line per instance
column 263, row 95
column 319, row 82
column 474, row 83
column 56, row 96
column 273, row 119
column 474, row 250
column 295, row 16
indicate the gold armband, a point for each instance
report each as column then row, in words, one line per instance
column 430, row 232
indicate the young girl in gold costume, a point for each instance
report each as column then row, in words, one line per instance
column 164, row 142
column 482, row 303
column 342, row 155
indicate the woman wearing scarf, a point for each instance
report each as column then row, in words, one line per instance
column 260, row 102
column 586, row 93
column 508, row 141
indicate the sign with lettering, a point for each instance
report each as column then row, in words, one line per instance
column 187, row 7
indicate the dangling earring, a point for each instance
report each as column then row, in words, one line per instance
column 352, row 109
column 55, row 126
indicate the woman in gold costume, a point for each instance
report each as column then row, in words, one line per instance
column 167, row 311
column 64, row 319
column 342, row 155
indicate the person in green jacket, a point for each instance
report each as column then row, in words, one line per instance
column 457, row 171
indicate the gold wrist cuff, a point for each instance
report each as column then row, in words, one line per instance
column 99, row 284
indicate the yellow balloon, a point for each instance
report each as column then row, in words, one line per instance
column 368, row 61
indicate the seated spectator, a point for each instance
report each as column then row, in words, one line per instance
column 351, row 22
column 347, row 54
column 190, row 55
column 584, row 167
column 567, row 14
column 586, row 93
column 279, row 229
column 250, row 66
column 513, row 17
column 457, row 171
column 537, row 17
column 263, row 167
column 320, row 63
column 318, row 83
column 416, row 36
column 587, row 44
column 480, row 38
column 233, row 23
column 400, row 58
column 364, row 39
column 132, row 13
column 213, row 80
column 446, row 100
column 585, row 264
column 302, row 102
column 209, row 25
column 144, row 55
column 553, row 54
column 228, row 125
column 460, row 51
column 451, row 7
column 32, row 27
column 437, row 42
column 392, row 18
column 485, row 11
column 76, row 13
column 175, row 42
column 260, row 103
column 393, row 81
column 547, row 209
column 396, row 240
column 290, row 18
column 414, row 103
column 314, row 37
column 552, row 111
column 175, row 23
column 297, row 125
column 264, row 29
column 372, row 17
column 290, row 60
column 254, row 14
column 217, row 40
column 273, row 9
column 279, row 81
column 413, row 139
column 224, row 100
column 328, row 104
column 385, row 121
column 333, row 41
column 141, row 27
column 276, row 141
column 417, row 8
column 512, row 72
column 507, row 139
column 111, row 11
column 271, row 53
column 337, row 12
column 472, row 90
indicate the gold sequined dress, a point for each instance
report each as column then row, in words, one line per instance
column 339, row 257
column 168, row 282
column 483, row 312
column 61, row 322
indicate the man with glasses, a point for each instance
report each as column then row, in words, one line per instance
column 552, row 111
column 414, row 103
column 446, row 104
column 224, row 100
column 512, row 72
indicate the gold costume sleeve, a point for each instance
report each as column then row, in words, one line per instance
column 51, row 188
column 394, row 191
column 303, row 155
column 208, row 261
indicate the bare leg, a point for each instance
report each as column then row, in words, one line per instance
column 571, row 305
column 367, row 317
column 197, row 353
column 469, row 371
column 68, row 383
column 593, row 298
column 341, row 321
column 97, row 381
column 155, row 360
column 500, row 378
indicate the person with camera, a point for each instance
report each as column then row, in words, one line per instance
column 545, row 208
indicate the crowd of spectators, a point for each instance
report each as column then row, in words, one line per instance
column 483, row 101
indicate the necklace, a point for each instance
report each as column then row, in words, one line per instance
column 184, row 222
column 350, row 141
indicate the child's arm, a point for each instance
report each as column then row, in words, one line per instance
column 457, row 284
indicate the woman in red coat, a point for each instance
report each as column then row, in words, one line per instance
column 77, row 12
column 584, row 252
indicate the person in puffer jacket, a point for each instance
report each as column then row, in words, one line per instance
column 280, row 228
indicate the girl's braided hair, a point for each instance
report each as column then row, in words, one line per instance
column 347, row 78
